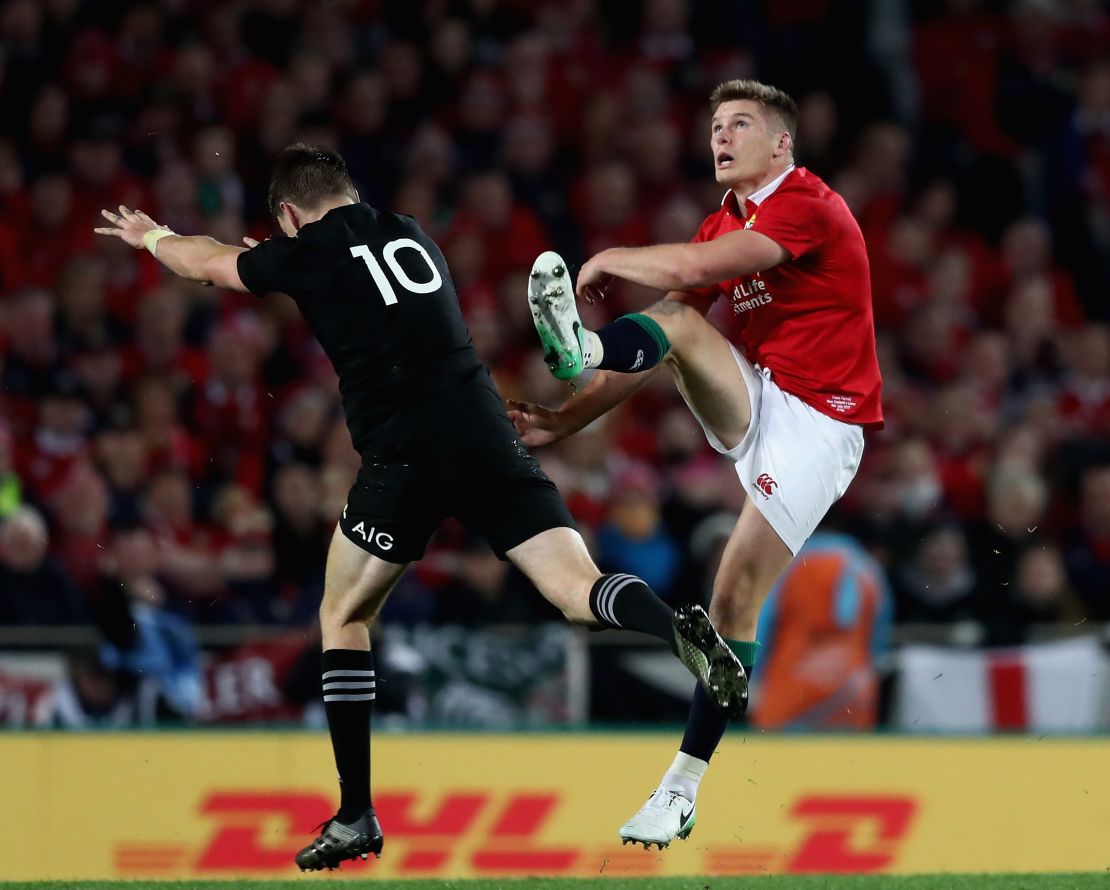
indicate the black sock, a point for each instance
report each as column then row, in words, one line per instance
column 348, row 686
column 626, row 601
column 705, row 726
column 632, row 343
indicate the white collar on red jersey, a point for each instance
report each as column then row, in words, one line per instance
column 761, row 195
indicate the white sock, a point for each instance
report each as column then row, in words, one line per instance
column 685, row 773
column 592, row 350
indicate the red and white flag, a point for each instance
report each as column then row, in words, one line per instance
column 1046, row 687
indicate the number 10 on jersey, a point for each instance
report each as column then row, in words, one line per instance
column 389, row 254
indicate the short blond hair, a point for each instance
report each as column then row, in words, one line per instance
column 771, row 98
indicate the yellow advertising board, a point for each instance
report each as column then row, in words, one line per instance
column 216, row 805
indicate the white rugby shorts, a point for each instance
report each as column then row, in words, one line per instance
column 794, row 462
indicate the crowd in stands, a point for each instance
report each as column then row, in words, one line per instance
column 166, row 447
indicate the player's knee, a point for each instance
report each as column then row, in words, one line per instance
column 678, row 321
column 337, row 613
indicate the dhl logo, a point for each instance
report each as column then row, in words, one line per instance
column 484, row 834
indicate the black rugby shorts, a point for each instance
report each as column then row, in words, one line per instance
column 477, row 471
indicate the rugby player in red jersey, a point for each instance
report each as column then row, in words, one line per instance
column 787, row 403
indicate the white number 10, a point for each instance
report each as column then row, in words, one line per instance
column 389, row 254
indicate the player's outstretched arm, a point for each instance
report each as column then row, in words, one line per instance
column 681, row 267
column 537, row 425
column 196, row 257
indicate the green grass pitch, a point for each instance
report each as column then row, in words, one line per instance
column 781, row 882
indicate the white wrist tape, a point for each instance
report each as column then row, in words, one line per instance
column 151, row 239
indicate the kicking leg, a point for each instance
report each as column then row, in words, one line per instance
column 754, row 559
column 698, row 355
column 558, row 563
column 356, row 584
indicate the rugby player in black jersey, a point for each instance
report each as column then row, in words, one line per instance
column 435, row 442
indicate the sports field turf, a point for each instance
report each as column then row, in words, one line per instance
column 1074, row 881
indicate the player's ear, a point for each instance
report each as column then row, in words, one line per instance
column 785, row 144
column 291, row 215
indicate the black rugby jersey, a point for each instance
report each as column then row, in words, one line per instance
column 375, row 291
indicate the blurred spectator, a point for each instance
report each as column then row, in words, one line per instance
column 34, row 589
column 635, row 539
column 166, row 441
column 32, row 356
column 301, row 537
column 901, row 495
column 91, row 697
column 120, row 454
column 1016, row 503
column 303, row 425
column 1027, row 258
column 80, row 511
column 186, row 546
column 1039, row 594
column 242, row 542
column 1088, row 554
column 142, row 637
column 606, row 205
column 159, row 346
column 80, row 291
column 1084, row 400
column 938, row 584
column 233, row 409
column 58, row 441
column 511, row 234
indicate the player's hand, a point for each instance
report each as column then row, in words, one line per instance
column 129, row 225
column 593, row 282
column 251, row 242
column 537, row 425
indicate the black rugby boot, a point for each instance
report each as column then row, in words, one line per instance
column 339, row 841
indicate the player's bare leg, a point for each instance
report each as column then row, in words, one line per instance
column 561, row 567
column 669, row 331
column 704, row 370
column 356, row 584
column 753, row 560
column 558, row 563
column 707, row 374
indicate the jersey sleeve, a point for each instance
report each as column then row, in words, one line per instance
column 267, row 266
column 796, row 224
column 702, row 298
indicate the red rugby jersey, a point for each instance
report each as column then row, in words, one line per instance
column 808, row 320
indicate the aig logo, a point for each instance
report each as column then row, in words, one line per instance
column 379, row 539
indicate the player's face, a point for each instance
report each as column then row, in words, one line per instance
column 744, row 141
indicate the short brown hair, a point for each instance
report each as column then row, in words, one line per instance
column 771, row 98
column 307, row 175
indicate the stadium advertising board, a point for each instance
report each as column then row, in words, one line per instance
column 221, row 805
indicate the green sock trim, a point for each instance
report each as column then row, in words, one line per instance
column 746, row 650
column 650, row 325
